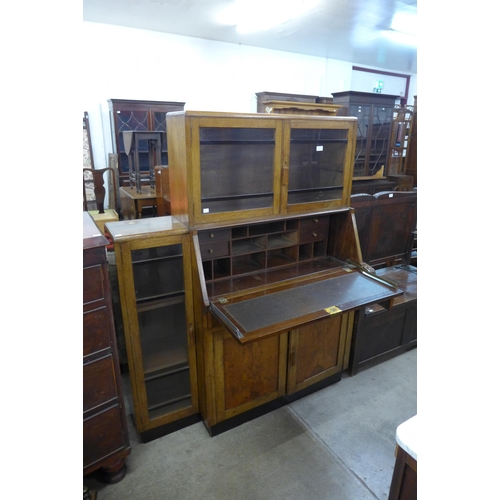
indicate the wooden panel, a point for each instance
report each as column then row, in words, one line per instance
column 102, row 436
column 96, row 335
column 250, row 371
column 100, row 383
column 404, row 478
column 382, row 331
column 93, row 287
column 317, row 350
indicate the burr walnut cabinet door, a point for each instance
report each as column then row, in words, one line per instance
column 316, row 351
column 247, row 376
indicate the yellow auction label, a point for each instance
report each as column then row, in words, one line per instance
column 333, row 310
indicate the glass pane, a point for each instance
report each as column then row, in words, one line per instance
column 363, row 114
column 316, row 165
column 160, row 120
column 132, row 120
column 165, row 356
column 381, row 130
column 129, row 120
column 161, row 312
column 237, row 168
column 158, row 272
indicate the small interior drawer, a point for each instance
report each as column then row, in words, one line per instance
column 214, row 249
column 215, row 235
column 313, row 229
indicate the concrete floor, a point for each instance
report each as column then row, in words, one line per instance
column 337, row 443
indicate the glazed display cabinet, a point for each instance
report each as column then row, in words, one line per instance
column 153, row 263
column 374, row 113
column 237, row 166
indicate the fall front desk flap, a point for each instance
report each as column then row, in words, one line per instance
column 276, row 311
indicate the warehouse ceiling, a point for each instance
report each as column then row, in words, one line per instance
column 363, row 32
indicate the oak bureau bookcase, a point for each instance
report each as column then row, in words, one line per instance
column 266, row 244
column 276, row 260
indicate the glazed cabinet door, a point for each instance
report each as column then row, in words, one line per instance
column 158, row 317
column 317, row 159
column 318, row 351
column 236, row 168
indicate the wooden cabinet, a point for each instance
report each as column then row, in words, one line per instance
column 374, row 113
column 380, row 334
column 236, row 166
column 278, row 300
column 153, row 261
column 386, row 224
column 105, row 435
column 130, row 115
column 275, row 369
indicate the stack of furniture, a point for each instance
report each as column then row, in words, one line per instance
column 105, row 435
column 259, row 263
column 144, row 116
column 386, row 225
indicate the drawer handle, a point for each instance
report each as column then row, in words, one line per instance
column 315, row 220
column 315, row 234
column 212, row 235
column 210, row 250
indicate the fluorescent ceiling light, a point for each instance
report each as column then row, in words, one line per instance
column 405, row 22
column 260, row 15
column 404, row 27
column 401, row 38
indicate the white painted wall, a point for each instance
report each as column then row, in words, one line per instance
column 129, row 63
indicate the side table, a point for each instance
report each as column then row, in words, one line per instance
column 133, row 202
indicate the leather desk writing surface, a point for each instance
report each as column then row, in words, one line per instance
column 270, row 313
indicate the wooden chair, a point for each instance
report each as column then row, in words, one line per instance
column 94, row 194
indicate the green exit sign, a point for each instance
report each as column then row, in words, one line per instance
column 378, row 86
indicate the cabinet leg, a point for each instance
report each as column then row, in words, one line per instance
column 113, row 473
